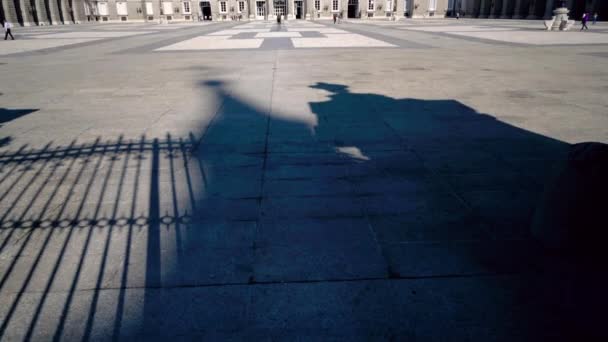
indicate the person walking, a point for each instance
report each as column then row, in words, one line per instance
column 595, row 18
column 335, row 17
column 7, row 29
column 457, row 15
column 584, row 21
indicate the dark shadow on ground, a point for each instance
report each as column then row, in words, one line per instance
column 392, row 219
column 7, row 115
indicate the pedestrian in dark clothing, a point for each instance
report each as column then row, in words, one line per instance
column 584, row 21
column 335, row 17
column 279, row 19
column 7, row 28
column 595, row 18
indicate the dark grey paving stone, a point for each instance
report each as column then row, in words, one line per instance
column 396, row 163
column 389, row 185
column 302, row 250
column 229, row 162
column 474, row 309
column 306, row 159
column 307, row 187
column 447, row 258
column 312, row 34
column 277, row 43
column 298, row 146
column 509, row 211
column 254, row 147
column 228, row 209
column 305, row 207
column 463, row 161
column 233, row 183
column 244, row 35
column 507, row 180
column 411, row 228
column 322, row 171
column 412, row 204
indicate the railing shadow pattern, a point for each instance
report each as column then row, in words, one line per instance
column 69, row 215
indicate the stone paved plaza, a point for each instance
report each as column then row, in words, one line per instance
column 232, row 180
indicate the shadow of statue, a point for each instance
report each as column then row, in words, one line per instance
column 399, row 206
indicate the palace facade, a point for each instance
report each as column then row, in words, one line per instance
column 53, row 12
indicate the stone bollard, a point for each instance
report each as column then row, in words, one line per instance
column 571, row 217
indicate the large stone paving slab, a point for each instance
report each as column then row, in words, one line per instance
column 355, row 192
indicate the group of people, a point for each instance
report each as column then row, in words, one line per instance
column 585, row 19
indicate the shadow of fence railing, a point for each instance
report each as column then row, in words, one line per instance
column 69, row 216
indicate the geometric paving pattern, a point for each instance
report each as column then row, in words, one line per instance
column 293, row 34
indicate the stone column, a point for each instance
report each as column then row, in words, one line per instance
column 532, row 10
column 78, row 10
column 26, row 13
column 10, row 12
column 67, row 18
column 505, row 9
column 549, row 9
column 483, row 9
column 493, row 10
column 470, row 9
column 270, row 7
column 517, row 10
column 400, row 9
column 41, row 13
column 54, row 12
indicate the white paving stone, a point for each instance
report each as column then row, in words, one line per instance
column 540, row 37
column 27, row 45
column 213, row 43
column 320, row 30
column 339, row 40
column 456, row 28
column 92, row 34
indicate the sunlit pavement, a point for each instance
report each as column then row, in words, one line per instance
column 313, row 181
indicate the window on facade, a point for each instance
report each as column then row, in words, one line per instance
column 223, row 6
column 432, row 5
column 121, row 8
column 149, row 8
column 241, row 6
column 167, row 8
column 103, row 8
column 370, row 5
column 186, row 6
column 389, row 5
column 318, row 5
column 334, row 5
column 279, row 7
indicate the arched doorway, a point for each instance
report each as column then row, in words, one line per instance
column 353, row 8
column 205, row 9
column 298, row 9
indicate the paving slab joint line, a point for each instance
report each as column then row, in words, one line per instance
column 311, row 281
